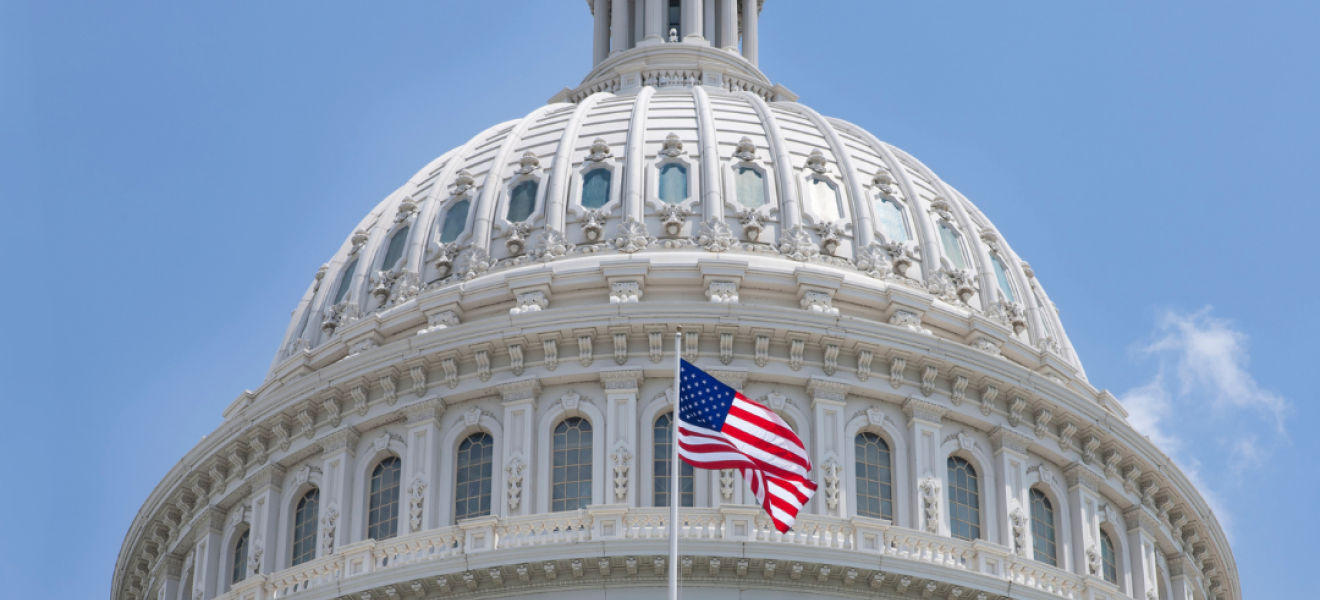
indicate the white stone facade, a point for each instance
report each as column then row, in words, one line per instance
column 807, row 301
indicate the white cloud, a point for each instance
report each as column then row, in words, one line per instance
column 1209, row 363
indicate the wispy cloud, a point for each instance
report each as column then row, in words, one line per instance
column 1202, row 364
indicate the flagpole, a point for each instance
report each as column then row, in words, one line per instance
column 675, row 480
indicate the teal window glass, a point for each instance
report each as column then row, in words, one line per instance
column 238, row 570
column 345, row 281
column 1001, row 275
column 964, row 500
column 473, row 485
column 675, row 18
column 890, row 217
column 383, row 503
column 750, row 185
column 596, row 188
column 1108, row 558
column 395, row 252
column 523, row 202
column 875, row 479
column 664, row 467
column 673, row 183
column 951, row 246
column 1042, row 529
column 825, row 201
column 455, row 221
column 304, row 527
column 571, row 479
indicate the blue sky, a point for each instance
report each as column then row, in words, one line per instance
column 173, row 173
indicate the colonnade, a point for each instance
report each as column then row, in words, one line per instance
column 625, row 24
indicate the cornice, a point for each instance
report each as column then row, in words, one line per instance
column 343, row 440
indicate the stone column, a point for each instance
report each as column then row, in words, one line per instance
column 1181, row 586
column 728, row 38
column 708, row 21
column 170, row 575
column 1085, row 502
column 619, row 28
column 621, row 434
column 828, row 399
column 266, row 500
column 208, row 526
column 655, row 23
column 751, row 18
column 692, row 22
column 519, row 440
column 928, row 470
column 600, row 46
column 1014, row 515
column 337, row 452
column 1141, row 550
column 424, row 452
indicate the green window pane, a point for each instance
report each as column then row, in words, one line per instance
column 964, row 500
column 523, row 202
column 304, row 527
column 397, row 245
column 663, row 467
column 1108, row 558
column 891, row 221
column 596, row 188
column 874, row 492
column 571, row 474
column 455, row 221
column 952, row 247
column 1042, row 529
column 473, row 485
column 239, row 565
column 750, row 185
column 1001, row 275
column 383, row 503
column 673, row 183
column 345, row 282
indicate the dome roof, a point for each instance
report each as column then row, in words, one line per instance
column 652, row 162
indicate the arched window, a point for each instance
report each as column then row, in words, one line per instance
column 523, row 202
column 890, row 217
column 750, row 185
column 825, row 204
column 395, row 251
column 304, row 526
column 473, row 485
column 1042, row 529
column 238, row 570
column 455, row 221
column 1001, row 275
column 1108, row 558
column 664, row 467
column 596, row 188
column 951, row 246
column 572, row 465
column 673, row 183
column 383, row 503
column 345, row 281
column 875, row 480
column 964, row 500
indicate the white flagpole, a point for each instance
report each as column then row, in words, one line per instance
column 675, row 480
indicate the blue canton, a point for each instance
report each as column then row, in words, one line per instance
column 704, row 401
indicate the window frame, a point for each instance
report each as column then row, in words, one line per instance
column 238, row 556
column 490, row 478
column 1050, row 521
column 590, row 481
column 858, row 479
column 443, row 220
column 371, row 498
column 941, row 225
column 979, row 527
column 902, row 216
column 686, row 472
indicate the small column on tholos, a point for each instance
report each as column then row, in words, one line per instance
column 751, row 19
column 655, row 23
column 728, row 38
column 619, row 17
column 693, row 26
column 601, row 39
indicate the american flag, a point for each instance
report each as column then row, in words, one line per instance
column 722, row 429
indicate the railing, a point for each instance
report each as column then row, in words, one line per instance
column 731, row 523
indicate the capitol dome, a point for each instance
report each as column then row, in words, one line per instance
column 471, row 397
